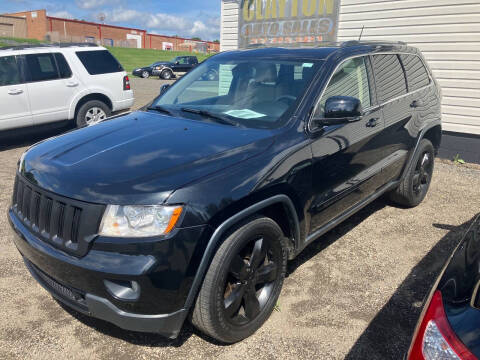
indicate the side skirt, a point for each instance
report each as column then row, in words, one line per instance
column 333, row 223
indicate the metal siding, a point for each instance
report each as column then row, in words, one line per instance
column 448, row 35
column 229, row 25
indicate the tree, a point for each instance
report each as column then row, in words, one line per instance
column 196, row 39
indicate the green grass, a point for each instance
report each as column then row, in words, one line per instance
column 129, row 58
column 133, row 58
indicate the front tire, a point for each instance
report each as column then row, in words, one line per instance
column 414, row 187
column 92, row 112
column 145, row 74
column 243, row 283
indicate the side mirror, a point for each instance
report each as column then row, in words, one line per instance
column 164, row 88
column 339, row 110
column 177, row 62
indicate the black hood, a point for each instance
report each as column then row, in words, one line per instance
column 138, row 157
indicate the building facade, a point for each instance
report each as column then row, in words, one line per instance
column 447, row 33
column 43, row 27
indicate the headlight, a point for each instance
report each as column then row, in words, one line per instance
column 139, row 221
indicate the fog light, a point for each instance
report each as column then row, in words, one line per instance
column 123, row 290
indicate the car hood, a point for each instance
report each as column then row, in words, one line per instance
column 138, row 158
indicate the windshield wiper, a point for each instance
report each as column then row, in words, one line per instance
column 220, row 118
column 160, row 108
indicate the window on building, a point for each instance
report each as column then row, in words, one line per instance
column 389, row 77
column 99, row 62
column 417, row 75
column 89, row 39
column 63, row 67
column 41, row 67
column 108, row 42
column 350, row 79
column 9, row 71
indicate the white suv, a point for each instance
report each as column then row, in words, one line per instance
column 43, row 84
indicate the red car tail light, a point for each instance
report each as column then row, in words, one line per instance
column 126, row 83
column 435, row 338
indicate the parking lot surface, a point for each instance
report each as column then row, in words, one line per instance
column 355, row 293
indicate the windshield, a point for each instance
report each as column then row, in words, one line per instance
column 259, row 93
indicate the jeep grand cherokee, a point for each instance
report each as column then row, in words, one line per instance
column 195, row 204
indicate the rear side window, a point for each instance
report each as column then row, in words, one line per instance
column 9, row 71
column 417, row 75
column 99, row 62
column 389, row 77
column 41, row 67
column 63, row 67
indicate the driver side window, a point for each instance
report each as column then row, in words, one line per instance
column 349, row 80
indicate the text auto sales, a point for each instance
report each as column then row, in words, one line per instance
column 275, row 21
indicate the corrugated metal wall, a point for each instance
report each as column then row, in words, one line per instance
column 447, row 31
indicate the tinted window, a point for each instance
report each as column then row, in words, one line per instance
column 99, row 62
column 182, row 60
column 63, row 67
column 9, row 71
column 350, row 80
column 417, row 75
column 41, row 67
column 389, row 77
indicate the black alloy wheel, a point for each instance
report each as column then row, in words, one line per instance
column 414, row 186
column 243, row 282
column 250, row 282
column 423, row 174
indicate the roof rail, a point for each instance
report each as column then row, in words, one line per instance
column 371, row 42
column 61, row 45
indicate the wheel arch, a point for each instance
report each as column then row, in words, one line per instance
column 92, row 96
column 431, row 132
column 278, row 207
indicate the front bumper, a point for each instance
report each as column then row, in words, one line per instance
column 163, row 269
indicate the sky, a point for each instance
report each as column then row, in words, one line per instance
column 186, row 18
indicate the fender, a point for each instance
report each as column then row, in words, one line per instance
column 82, row 94
column 158, row 72
column 414, row 152
column 227, row 224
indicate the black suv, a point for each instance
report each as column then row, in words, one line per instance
column 168, row 70
column 195, row 204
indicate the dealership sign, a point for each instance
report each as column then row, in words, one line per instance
column 280, row 22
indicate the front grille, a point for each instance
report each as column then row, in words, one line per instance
column 65, row 223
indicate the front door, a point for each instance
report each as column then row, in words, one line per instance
column 15, row 109
column 347, row 159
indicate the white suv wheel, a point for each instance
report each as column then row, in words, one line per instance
column 94, row 115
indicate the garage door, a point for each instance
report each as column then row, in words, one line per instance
column 447, row 32
column 6, row 30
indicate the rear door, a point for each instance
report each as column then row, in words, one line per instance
column 396, row 103
column 51, row 86
column 347, row 159
column 15, row 108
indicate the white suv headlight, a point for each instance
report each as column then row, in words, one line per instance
column 139, row 221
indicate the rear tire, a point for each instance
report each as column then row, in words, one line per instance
column 243, row 283
column 414, row 187
column 92, row 112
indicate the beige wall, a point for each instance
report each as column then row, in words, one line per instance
column 13, row 26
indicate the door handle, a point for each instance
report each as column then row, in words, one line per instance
column 416, row 103
column 372, row 122
column 72, row 84
column 15, row 91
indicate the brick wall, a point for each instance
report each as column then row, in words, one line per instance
column 36, row 23
column 40, row 26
